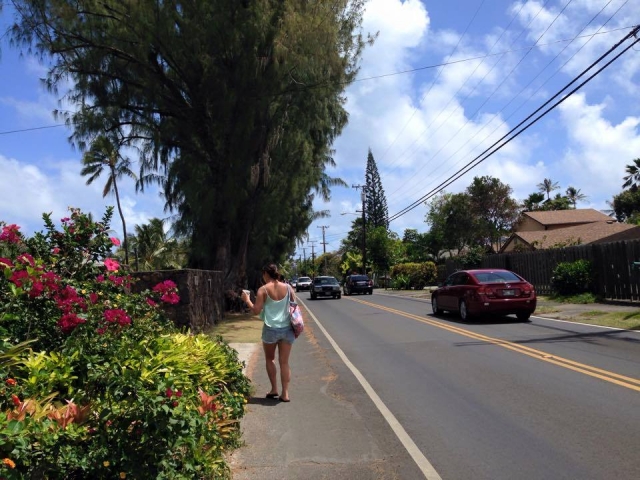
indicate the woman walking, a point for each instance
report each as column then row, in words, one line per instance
column 272, row 304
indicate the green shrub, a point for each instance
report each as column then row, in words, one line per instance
column 400, row 282
column 570, row 278
column 414, row 275
column 106, row 387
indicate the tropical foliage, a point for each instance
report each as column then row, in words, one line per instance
column 104, row 154
column 232, row 105
column 547, row 186
column 95, row 381
column 155, row 249
column 413, row 275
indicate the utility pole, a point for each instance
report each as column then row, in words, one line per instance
column 304, row 253
column 313, row 258
column 324, row 247
column 364, row 228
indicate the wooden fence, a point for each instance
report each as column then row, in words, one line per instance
column 616, row 273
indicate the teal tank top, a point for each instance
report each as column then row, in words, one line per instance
column 275, row 313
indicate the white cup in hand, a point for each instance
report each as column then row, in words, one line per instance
column 247, row 293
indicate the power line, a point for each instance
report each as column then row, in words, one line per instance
column 31, row 129
column 432, row 133
column 513, row 69
column 477, row 160
column 401, row 72
column 433, row 82
column 504, row 122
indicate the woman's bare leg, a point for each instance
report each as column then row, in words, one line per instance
column 269, row 357
column 284, row 350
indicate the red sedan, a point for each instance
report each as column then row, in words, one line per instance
column 476, row 292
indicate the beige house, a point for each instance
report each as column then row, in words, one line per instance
column 562, row 228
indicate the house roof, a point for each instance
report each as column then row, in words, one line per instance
column 595, row 232
column 568, row 217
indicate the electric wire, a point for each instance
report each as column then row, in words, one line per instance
column 434, row 80
column 402, row 72
column 513, row 69
column 433, row 132
column 488, row 152
column 408, row 192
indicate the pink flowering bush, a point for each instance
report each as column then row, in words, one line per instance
column 95, row 381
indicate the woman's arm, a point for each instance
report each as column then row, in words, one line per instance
column 292, row 294
column 255, row 308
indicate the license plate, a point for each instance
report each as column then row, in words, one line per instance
column 508, row 293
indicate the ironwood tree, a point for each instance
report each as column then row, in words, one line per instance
column 233, row 106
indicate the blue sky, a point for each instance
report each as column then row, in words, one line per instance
column 421, row 126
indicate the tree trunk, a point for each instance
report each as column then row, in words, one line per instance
column 124, row 225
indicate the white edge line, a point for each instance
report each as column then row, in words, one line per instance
column 421, row 461
column 585, row 324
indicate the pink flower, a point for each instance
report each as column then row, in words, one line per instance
column 111, row 265
column 164, row 287
column 26, row 258
column 93, row 298
column 117, row 315
column 169, row 392
column 50, row 281
column 55, row 251
column 10, row 234
column 171, row 298
column 18, row 277
column 5, row 262
column 151, row 302
column 115, row 241
column 100, row 278
column 69, row 322
column 36, row 289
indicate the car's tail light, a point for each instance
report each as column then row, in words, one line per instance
column 488, row 291
column 527, row 290
column 371, row 283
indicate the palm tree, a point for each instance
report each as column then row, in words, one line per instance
column 104, row 154
column 548, row 186
column 157, row 250
column 633, row 178
column 574, row 195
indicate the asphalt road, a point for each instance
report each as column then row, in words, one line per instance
column 497, row 399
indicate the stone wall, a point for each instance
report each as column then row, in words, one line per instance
column 201, row 297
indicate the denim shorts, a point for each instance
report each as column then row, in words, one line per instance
column 274, row 335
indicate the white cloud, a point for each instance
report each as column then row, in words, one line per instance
column 28, row 192
column 599, row 149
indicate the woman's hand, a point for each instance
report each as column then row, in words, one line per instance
column 245, row 297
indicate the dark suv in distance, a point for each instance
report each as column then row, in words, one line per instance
column 357, row 284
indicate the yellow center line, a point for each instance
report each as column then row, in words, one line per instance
column 621, row 380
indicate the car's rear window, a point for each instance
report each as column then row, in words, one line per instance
column 496, row 277
column 359, row 278
column 325, row 281
column 304, row 279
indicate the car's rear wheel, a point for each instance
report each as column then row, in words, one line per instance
column 464, row 311
column 523, row 316
column 370, row 292
column 434, row 306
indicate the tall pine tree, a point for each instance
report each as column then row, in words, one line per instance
column 377, row 214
